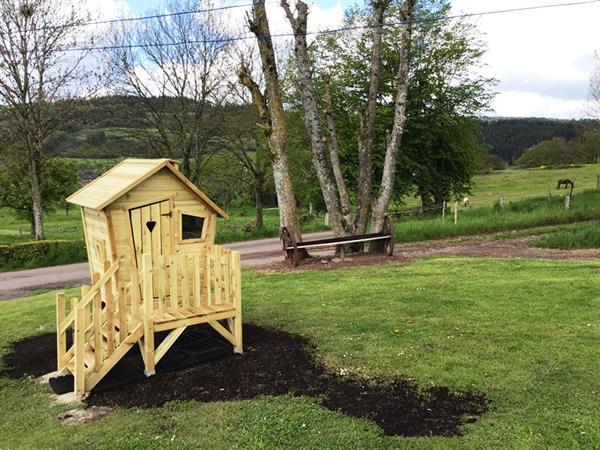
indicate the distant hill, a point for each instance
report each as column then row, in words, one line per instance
column 103, row 128
column 510, row 137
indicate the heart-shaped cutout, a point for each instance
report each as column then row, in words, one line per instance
column 150, row 225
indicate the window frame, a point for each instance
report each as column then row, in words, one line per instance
column 205, row 226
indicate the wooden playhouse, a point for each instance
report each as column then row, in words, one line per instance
column 154, row 267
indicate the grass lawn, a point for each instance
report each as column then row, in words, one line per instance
column 60, row 225
column 522, row 332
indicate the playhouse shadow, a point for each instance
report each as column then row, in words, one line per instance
column 274, row 363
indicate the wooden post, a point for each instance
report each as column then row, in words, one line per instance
column 455, row 212
column 501, row 201
column 148, row 299
column 61, row 338
column 444, row 210
column 237, row 301
column 97, row 321
column 88, row 317
column 79, row 342
column 567, row 202
column 123, row 331
column 110, row 312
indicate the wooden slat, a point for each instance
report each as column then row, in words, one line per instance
column 97, row 323
column 193, row 321
column 237, row 301
column 218, row 274
column 110, row 314
column 161, row 278
column 61, row 338
column 185, row 281
column 122, row 312
column 79, row 367
column 101, row 282
column 174, row 281
column 207, row 295
column 148, row 298
column 197, row 280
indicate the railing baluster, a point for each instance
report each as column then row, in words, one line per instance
column 197, row 280
column 97, row 321
column 61, row 338
column 174, row 281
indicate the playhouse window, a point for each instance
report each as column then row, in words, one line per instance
column 191, row 226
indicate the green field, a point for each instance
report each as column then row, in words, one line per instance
column 517, row 184
column 516, row 215
column 522, row 332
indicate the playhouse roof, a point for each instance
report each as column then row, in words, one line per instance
column 126, row 175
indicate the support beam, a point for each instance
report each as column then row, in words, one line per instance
column 167, row 343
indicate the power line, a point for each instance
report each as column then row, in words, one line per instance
column 308, row 33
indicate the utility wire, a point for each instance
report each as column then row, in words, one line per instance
column 308, row 33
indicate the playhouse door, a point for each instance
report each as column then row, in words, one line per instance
column 151, row 232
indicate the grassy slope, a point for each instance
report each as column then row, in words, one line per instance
column 529, row 213
column 513, row 184
column 522, row 183
column 522, row 332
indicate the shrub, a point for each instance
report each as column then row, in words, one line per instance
column 28, row 255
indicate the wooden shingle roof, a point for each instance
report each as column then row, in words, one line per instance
column 126, row 175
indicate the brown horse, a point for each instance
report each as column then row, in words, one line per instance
column 566, row 183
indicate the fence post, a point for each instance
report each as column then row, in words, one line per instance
column 444, row 210
column 501, row 201
column 455, row 212
column 567, row 202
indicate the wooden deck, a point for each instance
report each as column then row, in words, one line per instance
column 174, row 293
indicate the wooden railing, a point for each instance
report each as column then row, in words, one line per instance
column 100, row 323
column 111, row 317
column 177, row 282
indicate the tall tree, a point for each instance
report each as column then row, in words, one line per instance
column 173, row 69
column 35, row 73
column 272, row 116
column 366, row 204
column 312, row 117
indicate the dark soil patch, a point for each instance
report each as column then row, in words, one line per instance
column 276, row 363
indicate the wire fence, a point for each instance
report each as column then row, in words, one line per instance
column 451, row 208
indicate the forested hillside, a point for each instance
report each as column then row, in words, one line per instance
column 510, row 137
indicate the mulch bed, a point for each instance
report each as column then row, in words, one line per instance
column 274, row 363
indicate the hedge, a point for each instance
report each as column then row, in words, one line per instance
column 28, row 255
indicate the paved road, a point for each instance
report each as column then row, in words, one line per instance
column 24, row 282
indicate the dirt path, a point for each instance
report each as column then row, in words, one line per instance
column 266, row 254
column 473, row 246
column 24, row 282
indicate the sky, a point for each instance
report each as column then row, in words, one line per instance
column 542, row 58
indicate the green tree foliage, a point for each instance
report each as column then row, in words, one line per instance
column 60, row 180
column 554, row 152
column 510, row 137
column 561, row 152
column 440, row 149
column 493, row 162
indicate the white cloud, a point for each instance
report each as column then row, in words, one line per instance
column 543, row 58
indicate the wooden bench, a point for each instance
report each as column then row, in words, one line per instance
column 297, row 251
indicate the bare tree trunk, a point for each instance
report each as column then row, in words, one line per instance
column 311, row 114
column 334, row 155
column 365, row 139
column 36, row 198
column 277, row 136
column 258, row 197
column 381, row 204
